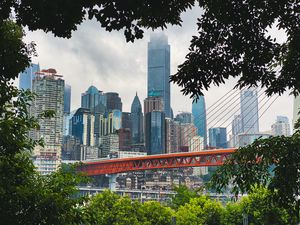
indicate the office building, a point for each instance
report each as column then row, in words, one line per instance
column 124, row 139
column 27, row 76
column 126, row 120
column 185, row 117
column 217, row 137
column 197, row 145
column 249, row 111
column 82, row 124
column 247, row 139
column 187, row 132
column 110, row 145
column 94, row 100
column 159, row 69
column 49, row 90
column 113, row 101
column 199, row 113
column 153, row 103
column 67, row 99
column 137, row 125
column 173, row 135
column 237, row 129
column 281, row 127
column 155, row 132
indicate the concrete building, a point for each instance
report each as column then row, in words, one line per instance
column 185, row 117
column 173, row 135
column 113, row 101
column 281, row 127
column 49, row 90
column 110, row 145
column 159, row 69
column 153, row 103
column 246, row 139
column 197, row 145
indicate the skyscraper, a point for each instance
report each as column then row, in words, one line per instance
column 26, row 77
column 159, row 69
column 136, row 121
column 93, row 99
column 67, row 99
column 113, row 101
column 281, row 126
column 249, row 111
column 49, row 89
column 155, row 132
column 199, row 113
column 185, row 117
column 153, row 103
column 217, row 137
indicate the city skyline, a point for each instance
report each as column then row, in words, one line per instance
column 111, row 64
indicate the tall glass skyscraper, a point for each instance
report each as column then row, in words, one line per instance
column 217, row 137
column 92, row 99
column 67, row 99
column 26, row 77
column 136, row 121
column 199, row 113
column 249, row 111
column 159, row 69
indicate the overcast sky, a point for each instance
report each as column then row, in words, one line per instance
column 96, row 57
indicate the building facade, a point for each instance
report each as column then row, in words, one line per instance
column 296, row 110
column 49, row 90
column 217, row 137
column 67, row 99
column 249, row 111
column 113, row 101
column 281, row 127
column 185, row 117
column 137, row 131
column 199, row 113
column 27, row 76
column 155, row 132
column 159, row 69
column 94, row 100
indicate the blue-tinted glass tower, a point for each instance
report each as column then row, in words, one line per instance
column 136, row 121
column 159, row 69
column 93, row 99
column 26, row 77
column 67, row 99
column 249, row 111
column 155, row 132
column 199, row 113
column 217, row 137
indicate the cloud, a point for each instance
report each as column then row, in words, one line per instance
column 95, row 56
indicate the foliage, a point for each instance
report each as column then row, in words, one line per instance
column 153, row 213
column 200, row 210
column 261, row 209
column 275, row 163
column 183, row 195
column 232, row 214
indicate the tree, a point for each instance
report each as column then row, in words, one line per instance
column 200, row 210
column 183, row 195
column 232, row 214
column 261, row 209
column 275, row 163
column 153, row 213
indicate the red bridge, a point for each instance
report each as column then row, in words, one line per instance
column 165, row 161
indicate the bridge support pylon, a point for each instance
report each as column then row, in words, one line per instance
column 112, row 178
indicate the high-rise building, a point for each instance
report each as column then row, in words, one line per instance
column 137, row 133
column 113, row 101
column 199, row 113
column 110, row 145
column 83, row 126
column 49, row 89
column 172, row 135
column 187, row 132
column 124, row 139
column 281, row 126
column 249, row 111
column 197, row 145
column 126, row 120
column 159, row 69
column 237, row 129
column 27, row 76
column 67, row 99
column 94, row 100
column 155, row 132
column 217, row 137
column 296, row 110
column 185, row 117
column 153, row 103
